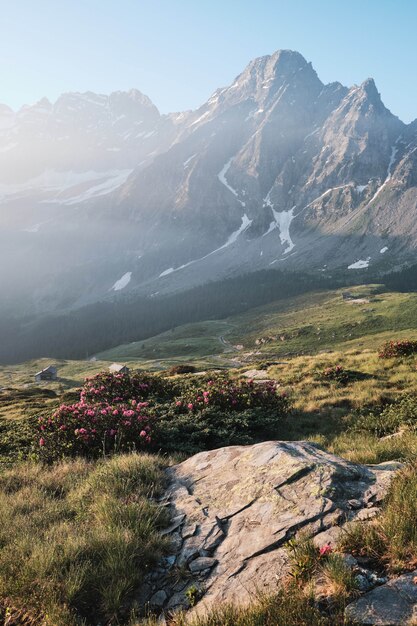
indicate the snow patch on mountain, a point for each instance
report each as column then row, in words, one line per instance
column 104, row 188
column 359, row 265
column 222, row 178
column 122, row 282
column 166, row 272
column 394, row 152
column 188, row 161
column 283, row 220
column 246, row 222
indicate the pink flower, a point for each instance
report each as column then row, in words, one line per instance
column 115, row 412
column 326, row 549
column 178, row 403
column 142, row 433
column 62, row 427
column 42, row 441
column 113, row 432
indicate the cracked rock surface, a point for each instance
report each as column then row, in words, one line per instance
column 234, row 509
column 393, row 604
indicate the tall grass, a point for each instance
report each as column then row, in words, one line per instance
column 76, row 539
column 391, row 539
column 288, row 607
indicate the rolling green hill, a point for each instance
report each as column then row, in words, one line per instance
column 307, row 324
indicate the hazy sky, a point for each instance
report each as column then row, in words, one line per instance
column 179, row 51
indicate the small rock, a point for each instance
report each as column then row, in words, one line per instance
column 178, row 601
column 169, row 560
column 366, row 514
column 202, row 563
column 349, row 560
column 362, row 582
column 175, row 523
column 355, row 504
column 175, row 542
column 158, row 599
column 392, row 604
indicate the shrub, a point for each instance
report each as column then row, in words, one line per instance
column 90, row 430
column 390, row 349
column 336, row 373
column 225, row 393
column 211, row 428
column 182, row 369
column 389, row 419
column 107, row 387
column 189, row 415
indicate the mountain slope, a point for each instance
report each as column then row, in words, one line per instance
column 104, row 195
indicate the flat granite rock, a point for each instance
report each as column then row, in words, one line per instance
column 238, row 507
column 392, row 604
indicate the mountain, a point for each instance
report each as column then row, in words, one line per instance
column 102, row 195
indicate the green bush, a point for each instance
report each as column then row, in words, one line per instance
column 390, row 349
column 389, row 419
column 119, row 413
column 182, row 369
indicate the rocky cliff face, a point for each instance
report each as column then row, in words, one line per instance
column 274, row 170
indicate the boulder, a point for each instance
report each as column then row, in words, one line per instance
column 392, row 604
column 235, row 509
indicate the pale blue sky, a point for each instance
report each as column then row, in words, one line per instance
column 179, row 51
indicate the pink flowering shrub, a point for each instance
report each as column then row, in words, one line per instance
column 391, row 349
column 118, row 412
column 225, row 393
column 91, row 430
column 221, row 411
column 106, row 387
column 336, row 373
column 111, row 415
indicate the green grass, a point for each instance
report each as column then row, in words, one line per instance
column 190, row 341
column 288, row 607
column 76, row 539
column 304, row 324
column 391, row 539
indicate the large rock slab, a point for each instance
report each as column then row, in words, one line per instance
column 393, row 604
column 235, row 508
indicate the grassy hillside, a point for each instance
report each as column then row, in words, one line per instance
column 304, row 324
column 369, row 417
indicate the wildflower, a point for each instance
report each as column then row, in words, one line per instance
column 190, row 406
column 178, row 403
column 42, row 442
column 142, row 433
column 325, row 550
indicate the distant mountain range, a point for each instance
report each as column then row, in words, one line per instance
column 102, row 195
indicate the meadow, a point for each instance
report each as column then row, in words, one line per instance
column 79, row 533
